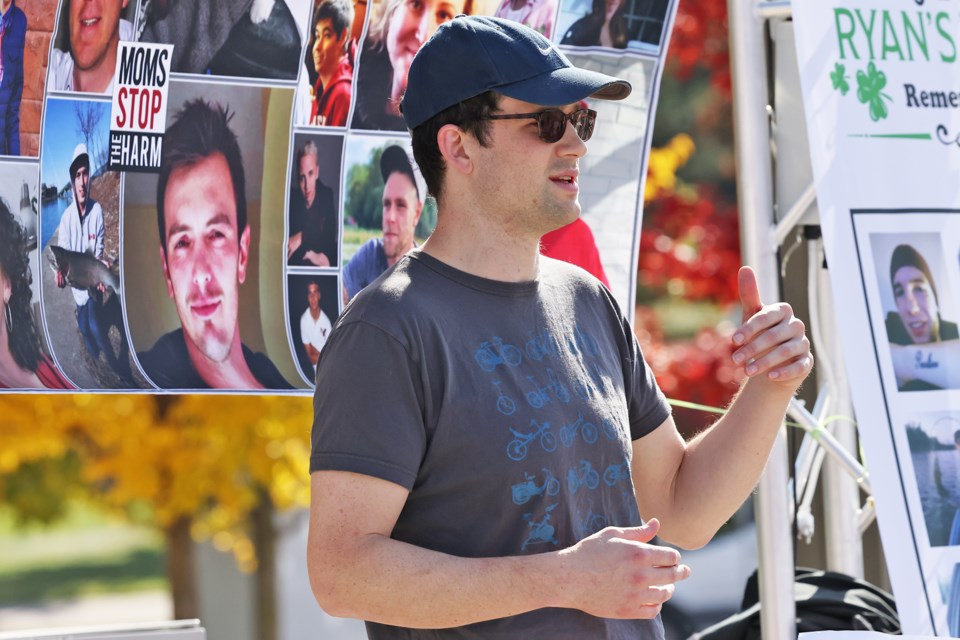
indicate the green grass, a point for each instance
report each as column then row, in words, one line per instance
column 84, row 553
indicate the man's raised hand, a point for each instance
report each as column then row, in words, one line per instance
column 771, row 341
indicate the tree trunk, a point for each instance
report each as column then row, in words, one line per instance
column 180, row 570
column 265, row 543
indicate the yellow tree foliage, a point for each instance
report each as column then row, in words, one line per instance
column 664, row 163
column 206, row 458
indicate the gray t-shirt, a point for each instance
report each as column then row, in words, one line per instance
column 507, row 410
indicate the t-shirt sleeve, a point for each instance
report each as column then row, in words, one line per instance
column 353, row 273
column 646, row 403
column 368, row 415
column 304, row 330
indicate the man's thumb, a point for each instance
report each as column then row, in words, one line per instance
column 645, row 533
column 749, row 292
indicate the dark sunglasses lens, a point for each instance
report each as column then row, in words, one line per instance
column 553, row 123
column 583, row 122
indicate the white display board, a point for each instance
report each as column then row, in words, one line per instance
column 177, row 630
column 881, row 88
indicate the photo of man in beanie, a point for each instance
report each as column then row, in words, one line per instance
column 917, row 321
column 491, row 455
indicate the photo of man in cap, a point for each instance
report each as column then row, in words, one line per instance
column 81, row 229
column 402, row 205
column 519, row 457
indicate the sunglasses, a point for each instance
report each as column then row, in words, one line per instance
column 552, row 123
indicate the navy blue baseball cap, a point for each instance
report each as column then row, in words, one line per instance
column 472, row 54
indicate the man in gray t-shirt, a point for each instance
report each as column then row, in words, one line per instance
column 488, row 439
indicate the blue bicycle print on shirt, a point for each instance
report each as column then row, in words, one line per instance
column 518, row 447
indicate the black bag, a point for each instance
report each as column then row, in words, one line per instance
column 826, row 601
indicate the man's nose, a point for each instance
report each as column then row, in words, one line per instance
column 201, row 269
column 571, row 144
column 913, row 305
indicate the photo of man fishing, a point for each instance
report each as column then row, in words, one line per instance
column 81, row 290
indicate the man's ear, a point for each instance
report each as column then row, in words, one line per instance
column 243, row 257
column 456, row 146
column 166, row 274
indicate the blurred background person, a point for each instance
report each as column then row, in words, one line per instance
column 396, row 33
column 13, row 38
column 539, row 15
column 604, row 26
column 23, row 365
column 326, row 83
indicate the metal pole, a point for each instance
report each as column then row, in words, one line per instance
column 755, row 199
column 841, row 494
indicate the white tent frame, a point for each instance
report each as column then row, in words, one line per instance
column 765, row 226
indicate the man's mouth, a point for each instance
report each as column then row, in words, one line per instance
column 89, row 22
column 567, row 179
column 204, row 308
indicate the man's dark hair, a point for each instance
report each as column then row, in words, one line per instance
column 340, row 13
column 467, row 115
column 200, row 130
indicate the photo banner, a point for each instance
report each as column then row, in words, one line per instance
column 192, row 192
column 881, row 91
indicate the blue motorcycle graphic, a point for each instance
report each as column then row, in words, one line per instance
column 617, row 473
column 524, row 491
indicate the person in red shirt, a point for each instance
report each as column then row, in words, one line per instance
column 574, row 243
column 333, row 55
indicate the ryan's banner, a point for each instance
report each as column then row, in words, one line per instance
column 881, row 87
column 196, row 189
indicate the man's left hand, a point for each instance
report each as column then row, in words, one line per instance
column 771, row 342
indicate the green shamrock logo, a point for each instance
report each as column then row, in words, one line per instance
column 839, row 78
column 870, row 91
